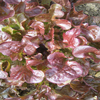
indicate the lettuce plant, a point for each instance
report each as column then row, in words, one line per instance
column 48, row 51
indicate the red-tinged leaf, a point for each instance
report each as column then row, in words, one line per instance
column 15, row 1
column 50, row 35
column 12, row 49
column 3, row 75
column 76, row 17
column 80, row 2
column 10, row 14
column 70, row 71
column 23, row 74
column 93, row 82
column 56, row 59
column 82, row 51
column 63, row 23
column 29, row 97
column 31, row 12
column 36, row 60
column 55, row 11
column 95, row 67
column 92, row 33
column 20, row 8
column 85, row 67
column 38, row 26
column 83, row 40
column 65, row 98
column 30, row 39
column 70, row 39
column 29, row 49
column 79, row 86
column 4, row 37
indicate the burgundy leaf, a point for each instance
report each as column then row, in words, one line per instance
column 69, row 72
column 82, row 51
column 29, row 49
column 79, row 86
column 34, row 11
column 39, row 26
column 65, row 97
column 83, row 40
column 20, row 8
column 63, row 23
column 30, row 42
column 56, row 59
column 23, row 74
column 14, row 1
column 76, row 17
column 70, row 39
column 10, row 14
column 12, row 49
column 80, row 2
column 50, row 35
column 85, row 67
column 92, row 33
column 3, row 75
column 4, row 37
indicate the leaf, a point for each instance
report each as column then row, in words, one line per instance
column 92, row 33
column 46, row 2
column 12, row 49
column 79, row 86
column 80, row 2
column 56, row 59
column 63, row 23
column 70, row 71
column 82, row 51
column 61, row 2
column 21, row 73
column 14, row 1
column 5, row 11
column 76, row 17
column 3, row 74
column 65, row 97
column 35, row 11
column 97, row 74
column 20, row 8
column 70, row 39
column 4, row 37
column 54, row 11
column 38, row 26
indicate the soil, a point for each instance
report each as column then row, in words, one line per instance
column 93, row 11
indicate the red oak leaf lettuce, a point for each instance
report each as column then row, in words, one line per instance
column 31, row 12
column 56, row 59
column 70, row 71
column 4, row 37
column 63, row 23
column 3, row 74
column 38, row 26
column 12, row 49
column 80, row 2
column 54, row 11
column 22, row 74
column 92, row 33
column 70, row 39
column 15, row 1
column 76, row 17
column 5, row 11
column 84, row 52
column 30, row 42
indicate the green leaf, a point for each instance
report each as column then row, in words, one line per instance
column 46, row 2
